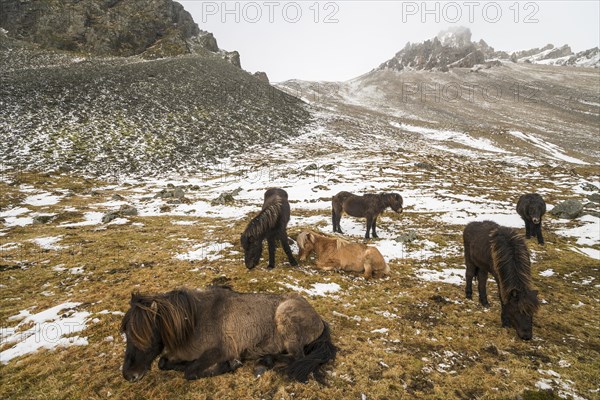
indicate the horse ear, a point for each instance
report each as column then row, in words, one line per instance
column 134, row 296
column 311, row 237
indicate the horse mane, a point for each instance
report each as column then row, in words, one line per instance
column 341, row 242
column 172, row 314
column 265, row 220
column 511, row 261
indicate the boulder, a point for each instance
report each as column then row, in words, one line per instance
column 42, row 219
column 127, row 210
column 568, row 209
column 109, row 216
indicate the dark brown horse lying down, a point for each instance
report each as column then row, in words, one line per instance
column 501, row 251
column 207, row 333
column 368, row 206
column 336, row 253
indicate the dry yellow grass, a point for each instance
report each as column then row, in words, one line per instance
column 438, row 345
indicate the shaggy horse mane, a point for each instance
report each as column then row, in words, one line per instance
column 512, row 265
column 338, row 241
column 264, row 221
column 172, row 314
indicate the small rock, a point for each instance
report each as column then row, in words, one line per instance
column 226, row 198
column 568, row 209
column 128, row 210
column 424, row 165
column 594, row 197
column 407, row 237
column 492, row 349
column 117, row 197
column 165, row 208
column 109, row 216
column 42, row 219
column 588, row 187
column 178, row 193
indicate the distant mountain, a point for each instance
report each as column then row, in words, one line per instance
column 563, row 55
column 93, row 98
column 453, row 48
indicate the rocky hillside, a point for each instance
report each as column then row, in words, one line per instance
column 453, row 48
column 99, row 114
column 550, row 55
column 102, row 27
column 545, row 113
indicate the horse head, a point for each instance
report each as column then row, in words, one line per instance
column 306, row 244
column 144, row 342
column 394, row 200
column 519, row 310
column 252, row 249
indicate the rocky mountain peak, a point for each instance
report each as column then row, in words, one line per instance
column 454, row 48
column 150, row 28
column 455, row 37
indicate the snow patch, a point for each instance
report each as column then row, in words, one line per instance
column 207, row 251
column 317, row 289
column 47, row 329
column 454, row 276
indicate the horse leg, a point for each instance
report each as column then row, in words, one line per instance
column 199, row 368
column 504, row 316
column 164, row 364
column 333, row 219
column 369, row 224
column 527, row 229
column 470, row 274
column 481, row 284
column 337, row 217
column 538, row 229
column 368, row 269
column 283, row 238
column 374, row 226
column 271, row 244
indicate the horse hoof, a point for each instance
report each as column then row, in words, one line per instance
column 235, row 364
column 294, row 263
column 162, row 363
column 258, row 371
column 270, row 267
column 191, row 376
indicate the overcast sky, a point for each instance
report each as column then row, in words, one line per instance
column 339, row 40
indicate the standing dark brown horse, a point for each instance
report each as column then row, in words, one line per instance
column 501, row 251
column 532, row 207
column 271, row 224
column 368, row 206
column 207, row 333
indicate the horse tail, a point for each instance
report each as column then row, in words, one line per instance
column 317, row 353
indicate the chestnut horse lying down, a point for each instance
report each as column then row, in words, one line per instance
column 336, row 253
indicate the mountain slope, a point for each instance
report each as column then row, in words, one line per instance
column 540, row 112
column 121, row 115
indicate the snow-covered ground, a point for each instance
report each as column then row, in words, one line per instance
column 48, row 329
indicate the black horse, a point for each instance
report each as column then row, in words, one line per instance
column 532, row 207
column 369, row 206
column 271, row 224
column 501, row 251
